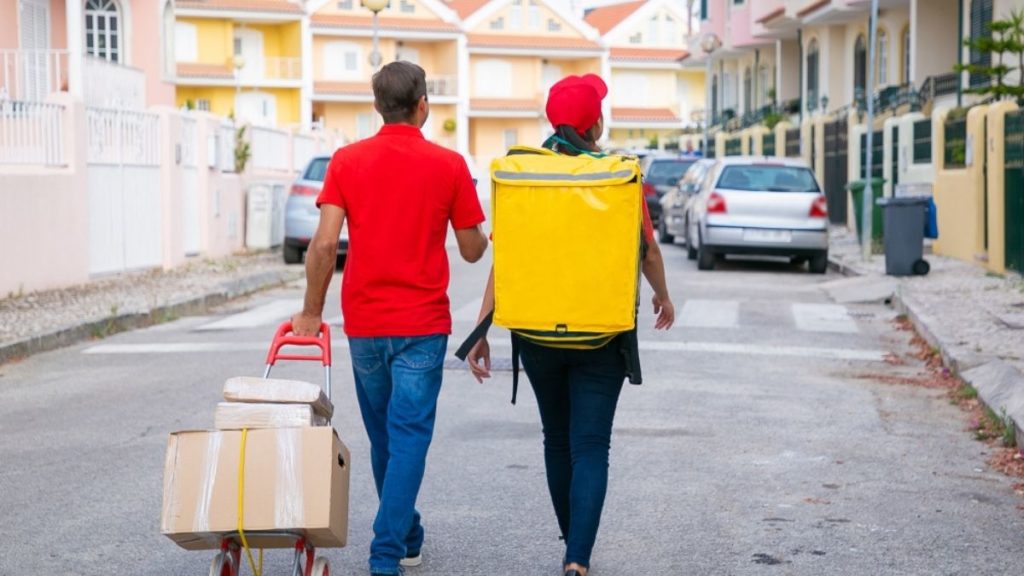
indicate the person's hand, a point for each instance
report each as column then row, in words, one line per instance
column 479, row 360
column 306, row 324
column 666, row 312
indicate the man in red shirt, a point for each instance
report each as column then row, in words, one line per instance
column 399, row 193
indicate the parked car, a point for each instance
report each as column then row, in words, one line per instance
column 763, row 206
column 661, row 174
column 676, row 201
column 301, row 214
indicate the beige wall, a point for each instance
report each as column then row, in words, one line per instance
column 526, row 75
column 959, row 194
column 935, row 19
column 567, row 31
column 436, row 58
column 393, row 10
column 487, row 137
column 342, row 116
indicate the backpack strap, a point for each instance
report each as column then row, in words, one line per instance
column 479, row 332
column 515, row 367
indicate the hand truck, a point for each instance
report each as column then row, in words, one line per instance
column 228, row 562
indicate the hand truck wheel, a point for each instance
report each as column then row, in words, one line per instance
column 223, row 564
column 321, row 567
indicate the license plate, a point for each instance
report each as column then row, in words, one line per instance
column 767, row 236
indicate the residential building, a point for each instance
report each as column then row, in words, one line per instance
column 653, row 95
column 425, row 32
column 241, row 58
column 108, row 52
column 516, row 50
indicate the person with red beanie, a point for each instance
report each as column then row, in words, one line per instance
column 577, row 390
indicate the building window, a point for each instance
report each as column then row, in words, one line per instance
column 493, row 78
column 534, row 14
column 860, row 68
column 714, row 98
column 905, row 72
column 763, row 85
column 168, row 36
column 498, row 23
column 203, row 105
column 344, row 4
column 364, row 125
column 653, row 37
column 883, row 58
column 515, row 15
column 630, row 90
column 185, row 42
column 556, row 26
column 703, row 9
column 103, row 30
column 511, row 138
column 406, row 54
column 981, row 27
column 341, row 60
column 636, row 38
column 812, row 73
column 407, row 7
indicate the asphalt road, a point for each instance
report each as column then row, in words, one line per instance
column 762, row 442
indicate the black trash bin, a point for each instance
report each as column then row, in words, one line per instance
column 904, row 235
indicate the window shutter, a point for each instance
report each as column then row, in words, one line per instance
column 981, row 19
column 703, row 9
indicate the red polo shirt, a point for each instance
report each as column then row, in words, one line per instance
column 399, row 193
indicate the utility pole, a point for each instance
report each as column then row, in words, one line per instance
column 869, row 189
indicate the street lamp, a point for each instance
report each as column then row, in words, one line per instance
column 375, row 6
column 238, row 62
column 824, row 104
column 708, row 43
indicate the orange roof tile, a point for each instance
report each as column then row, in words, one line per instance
column 197, row 70
column 659, row 55
column 387, row 23
column 813, row 6
column 504, row 105
column 466, row 8
column 607, row 17
column 240, row 5
column 343, row 88
column 543, row 42
column 772, row 15
column 644, row 115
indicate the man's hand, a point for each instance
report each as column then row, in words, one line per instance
column 306, row 324
column 666, row 312
column 479, row 360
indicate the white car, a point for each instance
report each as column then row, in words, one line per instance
column 759, row 206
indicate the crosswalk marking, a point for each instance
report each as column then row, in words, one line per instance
column 503, row 343
column 259, row 316
column 823, row 318
column 468, row 312
column 710, row 314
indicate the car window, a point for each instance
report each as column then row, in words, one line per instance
column 767, row 178
column 317, row 169
column 667, row 171
column 694, row 173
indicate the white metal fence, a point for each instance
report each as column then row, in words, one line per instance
column 303, row 150
column 442, row 86
column 189, row 145
column 31, row 133
column 122, row 137
column 269, row 149
column 110, row 85
column 226, row 146
column 32, row 74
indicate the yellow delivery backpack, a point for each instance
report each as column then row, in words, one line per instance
column 567, row 250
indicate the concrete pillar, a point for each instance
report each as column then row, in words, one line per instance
column 462, row 89
column 171, row 206
column 306, row 92
column 75, row 24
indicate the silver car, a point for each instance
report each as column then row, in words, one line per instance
column 760, row 206
column 676, row 201
column 301, row 214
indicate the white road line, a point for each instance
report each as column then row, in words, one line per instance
column 501, row 343
column 258, row 316
column 710, row 314
column 823, row 318
column 468, row 312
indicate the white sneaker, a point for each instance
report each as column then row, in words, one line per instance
column 412, row 561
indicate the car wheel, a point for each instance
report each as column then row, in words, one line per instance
column 819, row 263
column 292, row 254
column 798, row 260
column 691, row 251
column 663, row 236
column 705, row 258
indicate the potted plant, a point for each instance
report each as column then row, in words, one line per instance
column 449, row 125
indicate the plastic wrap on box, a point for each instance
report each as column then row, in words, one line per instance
column 275, row 391
column 238, row 415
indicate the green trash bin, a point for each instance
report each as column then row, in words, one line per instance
column 856, row 189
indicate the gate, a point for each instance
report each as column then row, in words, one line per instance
column 894, row 151
column 836, row 149
column 123, row 168
column 793, row 143
column 1014, row 191
column 190, row 187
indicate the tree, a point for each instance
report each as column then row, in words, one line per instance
column 1004, row 40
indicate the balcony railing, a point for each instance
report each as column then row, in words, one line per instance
column 442, row 86
column 31, row 75
column 941, row 85
column 31, row 133
column 110, row 85
column 275, row 68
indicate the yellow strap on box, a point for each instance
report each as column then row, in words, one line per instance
column 258, row 571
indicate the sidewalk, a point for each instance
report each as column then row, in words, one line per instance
column 974, row 318
column 39, row 321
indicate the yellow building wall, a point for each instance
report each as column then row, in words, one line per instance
column 526, row 75
column 291, row 39
column 487, row 137
column 997, row 185
column 214, row 40
column 960, row 193
column 222, row 100
column 341, row 116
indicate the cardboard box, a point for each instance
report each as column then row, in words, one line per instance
column 238, row 415
column 277, row 391
column 296, row 479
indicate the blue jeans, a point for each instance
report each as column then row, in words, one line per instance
column 397, row 384
column 577, row 392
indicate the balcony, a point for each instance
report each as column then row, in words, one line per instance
column 442, row 86
column 32, row 75
column 277, row 68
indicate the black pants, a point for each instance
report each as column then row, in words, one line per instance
column 577, row 392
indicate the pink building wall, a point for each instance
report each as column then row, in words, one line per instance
column 148, row 50
column 716, row 19
column 759, row 10
column 8, row 25
column 740, row 27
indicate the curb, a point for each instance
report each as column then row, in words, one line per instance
column 836, row 265
column 133, row 321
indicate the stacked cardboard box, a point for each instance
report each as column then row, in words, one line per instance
column 296, row 470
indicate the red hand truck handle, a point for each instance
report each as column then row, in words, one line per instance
column 285, row 337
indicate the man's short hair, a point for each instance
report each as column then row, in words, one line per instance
column 397, row 89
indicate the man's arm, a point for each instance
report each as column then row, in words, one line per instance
column 472, row 243
column 320, row 259
column 653, row 268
